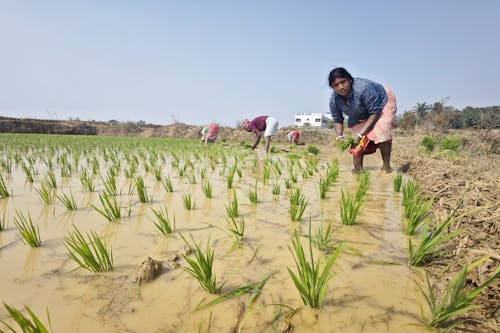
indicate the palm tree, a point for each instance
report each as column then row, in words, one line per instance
column 421, row 111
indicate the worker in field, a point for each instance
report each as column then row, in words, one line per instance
column 209, row 134
column 293, row 137
column 262, row 126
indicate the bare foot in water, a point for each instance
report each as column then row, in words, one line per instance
column 386, row 169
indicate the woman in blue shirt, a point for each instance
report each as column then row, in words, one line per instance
column 371, row 110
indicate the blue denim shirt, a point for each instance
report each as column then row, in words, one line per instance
column 365, row 98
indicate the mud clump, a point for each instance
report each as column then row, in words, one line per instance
column 147, row 271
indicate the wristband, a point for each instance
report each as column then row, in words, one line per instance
column 359, row 135
column 340, row 136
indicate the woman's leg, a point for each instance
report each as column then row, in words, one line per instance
column 385, row 152
column 358, row 162
column 268, row 142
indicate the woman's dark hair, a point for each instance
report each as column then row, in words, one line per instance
column 338, row 73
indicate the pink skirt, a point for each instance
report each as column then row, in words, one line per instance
column 381, row 132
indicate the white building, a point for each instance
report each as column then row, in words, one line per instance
column 312, row 119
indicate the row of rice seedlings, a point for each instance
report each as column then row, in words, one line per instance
column 4, row 192
column 456, row 300
column 206, row 188
column 44, row 192
column 416, row 211
column 410, row 190
column 350, row 207
column 230, row 177
column 252, row 194
column 30, row 234
column 310, row 280
column 232, row 209
column 28, row 171
column 188, row 201
column 89, row 253
column 87, row 181
column 68, row 201
column 163, row 222
column 324, row 186
column 142, row 192
column 132, row 168
column 236, row 229
column 111, row 210
column 201, row 267
column 397, row 182
column 110, row 187
column 364, row 182
column 167, row 184
column 6, row 164
column 298, row 204
column 30, row 323
column 432, row 238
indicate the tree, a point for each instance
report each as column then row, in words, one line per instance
column 421, row 110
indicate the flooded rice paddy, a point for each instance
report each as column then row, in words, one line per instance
column 371, row 290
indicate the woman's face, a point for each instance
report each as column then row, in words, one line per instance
column 341, row 86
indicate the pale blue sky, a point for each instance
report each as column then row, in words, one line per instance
column 203, row 61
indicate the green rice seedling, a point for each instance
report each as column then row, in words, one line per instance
column 201, row 267
column 192, row 179
column 288, row 183
column 203, row 173
column 87, row 181
column 68, row 201
column 364, row 182
column 292, row 175
column 349, row 207
column 111, row 210
column 157, row 170
column 94, row 162
column 238, row 171
column 163, row 223
column 252, row 194
column 276, row 188
column 28, row 171
column 313, row 149
column 230, row 177
column 4, row 192
column 410, row 190
column 44, row 193
column 28, row 324
column 323, row 237
column 237, row 229
column 310, row 280
column 110, row 187
column 298, row 204
column 188, row 201
column 456, row 300
column 167, row 184
column 29, row 233
column 232, row 208
column 416, row 211
column 398, row 180
column 6, row 164
column 333, row 172
column 142, row 192
column 51, row 179
column 206, row 188
column 89, row 252
column 324, row 187
column 3, row 222
column 266, row 173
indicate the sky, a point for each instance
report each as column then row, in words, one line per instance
column 221, row 61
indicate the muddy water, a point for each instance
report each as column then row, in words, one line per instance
column 372, row 289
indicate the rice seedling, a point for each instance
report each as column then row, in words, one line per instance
column 192, row 179
column 456, row 300
column 349, row 207
column 324, row 187
column 288, row 183
column 50, row 179
column 415, row 212
column 292, row 175
column 276, row 188
column 167, row 184
column 298, row 204
column 44, row 193
column 94, row 162
column 313, row 149
column 238, row 171
column 203, row 173
column 410, row 190
column 232, row 208
column 431, row 239
column 142, row 192
column 230, row 177
column 87, row 181
column 310, row 280
column 3, row 222
column 201, row 267
column 111, row 210
column 157, row 170
column 28, row 171
column 110, row 187
column 163, row 223
column 266, row 173
column 68, row 201
column 364, row 183
column 236, row 229
column 28, row 324
column 188, row 201
column 29, row 233
column 206, row 188
column 398, row 180
column 323, row 237
column 4, row 192
column 6, row 164
column 252, row 194
column 89, row 252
